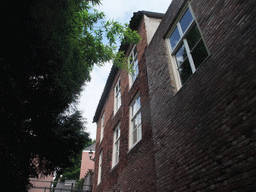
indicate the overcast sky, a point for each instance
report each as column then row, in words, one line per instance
column 122, row 11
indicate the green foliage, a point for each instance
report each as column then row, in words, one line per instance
column 79, row 184
column 49, row 50
column 73, row 172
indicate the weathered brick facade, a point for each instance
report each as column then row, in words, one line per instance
column 204, row 134
column 136, row 168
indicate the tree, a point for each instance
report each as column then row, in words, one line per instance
column 49, row 48
column 73, row 172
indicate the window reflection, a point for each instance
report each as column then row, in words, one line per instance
column 175, row 37
column 199, row 54
column 185, row 71
column 181, row 55
column 188, row 48
column 136, row 106
column 186, row 20
column 193, row 37
column 135, row 136
column 135, row 67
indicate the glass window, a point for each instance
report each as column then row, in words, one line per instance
column 136, row 106
column 199, row 53
column 186, row 20
column 117, row 96
column 181, row 55
column 193, row 37
column 135, row 133
column 188, row 48
column 185, row 71
column 134, row 62
column 100, row 167
column 102, row 126
column 116, row 146
column 175, row 37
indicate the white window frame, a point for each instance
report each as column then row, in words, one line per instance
column 102, row 126
column 134, row 62
column 116, row 145
column 100, row 168
column 117, row 96
column 183, row 41
column 135, row 116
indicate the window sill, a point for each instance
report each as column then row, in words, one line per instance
column 115, row 167
column 131, row 84
column 134, row 146
column 117, row 113
column 178, row 90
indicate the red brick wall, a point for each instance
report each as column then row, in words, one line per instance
column 86, row 164
column 135, row 170
column 42, row 181
column 204, row 135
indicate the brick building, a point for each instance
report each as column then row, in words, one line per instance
column 124, row 141
column 87, row 167
column 196, row 94
column 86, row 162
column 41, row 183
column 201, row 66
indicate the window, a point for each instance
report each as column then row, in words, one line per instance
column 135, row 122
column 100, row 167
column 187, row 47
column 117, row 96
column 102, row 126
column 133, row 61
column 116, row 144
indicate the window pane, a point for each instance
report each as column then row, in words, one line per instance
column 117, row 146
column 119, row 99
column 135, row 123
column 139, row 132
column 135, row 68
column 138, row 118
column 185, row 71
column 117, row 157
column 199, row 54
column 193, row 37
column 137, row 104
column 130, row 60
column 175, row 37
column 135, row 51
column 186, row 20
column 181, row 55
column 135, row 136
column 116, row 134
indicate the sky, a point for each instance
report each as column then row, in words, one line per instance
column 122, row 11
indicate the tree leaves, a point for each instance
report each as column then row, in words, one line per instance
column 49, row 50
